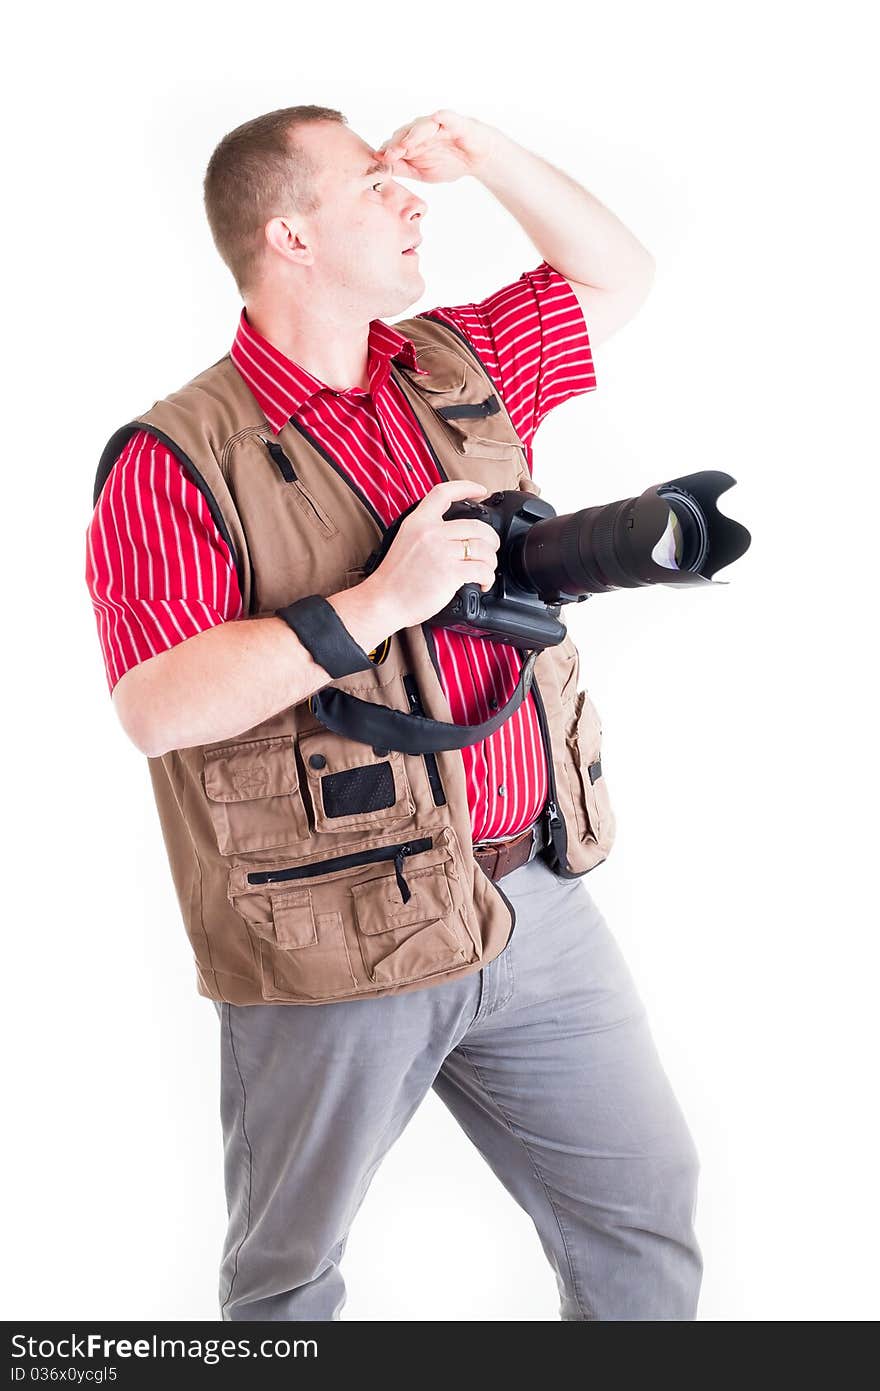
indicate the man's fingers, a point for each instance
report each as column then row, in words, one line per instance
column 407, row 137
column 463, row 530
column 397, row 141
column 443, row 494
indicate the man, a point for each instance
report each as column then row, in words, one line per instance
column 351, row 905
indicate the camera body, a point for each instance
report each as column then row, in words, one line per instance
column 515, row 610
column 511, row 611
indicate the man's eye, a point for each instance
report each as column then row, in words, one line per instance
column 377, row 185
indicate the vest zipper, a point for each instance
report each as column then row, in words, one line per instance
column 444, row 477
column 361, row 496
column 426, row 629
column 432, row 649
column 397, row 853
column 415, row 705
column 289, row 474
column 556, row 825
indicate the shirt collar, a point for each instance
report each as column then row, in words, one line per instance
column 281, row 387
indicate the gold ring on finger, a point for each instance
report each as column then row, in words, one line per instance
column 467, row 548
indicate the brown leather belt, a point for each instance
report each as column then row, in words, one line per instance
column 506, row 855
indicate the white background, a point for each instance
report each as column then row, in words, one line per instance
column 739, row 144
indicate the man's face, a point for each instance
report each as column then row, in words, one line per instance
column 365, row 221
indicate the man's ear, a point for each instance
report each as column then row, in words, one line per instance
column 283, row 236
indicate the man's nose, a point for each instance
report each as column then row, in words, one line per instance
column 416, row 206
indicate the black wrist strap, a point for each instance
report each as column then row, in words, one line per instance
column 321, row 630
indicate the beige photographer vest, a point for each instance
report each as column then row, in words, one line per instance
column 309, row 866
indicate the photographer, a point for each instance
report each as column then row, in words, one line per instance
column 351, row 907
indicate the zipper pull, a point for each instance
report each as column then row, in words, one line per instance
column 285, row 467
column 552, row 812
column 405, row 892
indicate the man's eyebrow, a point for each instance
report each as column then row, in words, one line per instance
column 378, row 167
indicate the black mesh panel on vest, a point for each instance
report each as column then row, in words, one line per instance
column 358, row 789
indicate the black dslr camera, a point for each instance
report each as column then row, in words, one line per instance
column 672, row 534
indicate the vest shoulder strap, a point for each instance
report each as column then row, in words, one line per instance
column 196, row 424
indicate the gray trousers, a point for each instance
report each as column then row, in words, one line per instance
column 546, row 1061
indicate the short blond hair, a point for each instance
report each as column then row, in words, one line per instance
column 258, row 171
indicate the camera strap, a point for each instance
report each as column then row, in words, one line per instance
column 395, row 729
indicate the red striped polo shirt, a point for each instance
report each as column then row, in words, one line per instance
column 159, row 572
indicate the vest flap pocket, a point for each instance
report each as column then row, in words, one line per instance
column 468, row 410
column 244, row 772
column 294, row 920
column 447, row 370
column 302, row 950
column 483, row 436
column 285, row 917
column 379, row 905
column 324, row 972
column 478, row 428
column 353, row 785
column 401, row 941
column 590, row 793
column 253, row 796
column 424, row 953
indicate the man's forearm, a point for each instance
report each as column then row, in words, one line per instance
column 575, row 233
column 232, row 677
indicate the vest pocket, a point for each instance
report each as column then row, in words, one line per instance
column 292, row 922
column 253, row 795
column 468, row 410
column 587, row 782
column 378, row 913
column 405, row 941
column 478, row 429
column 305, row 500
column 353, row 785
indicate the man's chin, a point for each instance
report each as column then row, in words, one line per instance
column 403, row 295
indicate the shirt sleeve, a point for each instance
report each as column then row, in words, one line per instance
column 534, row 341
column 157, row 569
